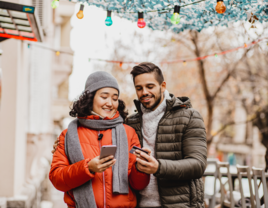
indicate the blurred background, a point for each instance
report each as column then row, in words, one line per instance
column 39, row 80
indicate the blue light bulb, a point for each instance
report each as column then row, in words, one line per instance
column 109, row 21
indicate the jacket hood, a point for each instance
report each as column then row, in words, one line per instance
column 174, row 102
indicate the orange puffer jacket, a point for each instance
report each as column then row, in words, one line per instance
column 66, row 177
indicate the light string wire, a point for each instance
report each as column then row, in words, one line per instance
column 162, row 62
column 184, row 60
column 159, row 10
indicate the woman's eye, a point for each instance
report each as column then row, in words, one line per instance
column 104, row 98
column 115, row 99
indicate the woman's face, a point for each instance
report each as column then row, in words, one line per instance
column 105, row 102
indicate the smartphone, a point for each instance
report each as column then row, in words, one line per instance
column 134, row 148
column 107, row 150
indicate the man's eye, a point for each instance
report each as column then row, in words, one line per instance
column 115, row 99
column 151, row 87
column 138, row 89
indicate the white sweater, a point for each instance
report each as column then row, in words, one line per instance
column 150, row 119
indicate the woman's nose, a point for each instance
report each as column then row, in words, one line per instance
column 109, row 102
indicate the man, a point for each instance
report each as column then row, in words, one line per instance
column 174, row 135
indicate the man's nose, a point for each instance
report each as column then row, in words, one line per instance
column 144, row 91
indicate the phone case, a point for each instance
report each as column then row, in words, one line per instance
column 107, row 150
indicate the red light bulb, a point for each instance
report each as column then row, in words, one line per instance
column 141, row 23
column 220, row 7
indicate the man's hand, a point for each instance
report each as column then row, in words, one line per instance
column 146, row 163
column 137, row 153
column 56, row 143
column 97, row 165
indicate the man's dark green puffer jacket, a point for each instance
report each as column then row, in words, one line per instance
column 181, row 150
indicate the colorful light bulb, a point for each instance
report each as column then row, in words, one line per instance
column 141, row 23
column 80, row 14
column 220, row 7
column 175, row 18
column 109, row 21
column 55, row 4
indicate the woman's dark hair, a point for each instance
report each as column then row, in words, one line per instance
column 84, row 105
column 147, row 67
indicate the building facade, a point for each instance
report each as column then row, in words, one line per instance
column 33, row 104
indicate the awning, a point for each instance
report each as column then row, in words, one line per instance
column 19, row 22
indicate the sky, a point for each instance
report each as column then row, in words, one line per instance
column 91, row 38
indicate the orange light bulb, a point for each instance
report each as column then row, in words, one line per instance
column 220, row 7
column 80, row 14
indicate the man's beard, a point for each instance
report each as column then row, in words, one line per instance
column 156, row 102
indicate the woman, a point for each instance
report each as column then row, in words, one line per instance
column 76, row 169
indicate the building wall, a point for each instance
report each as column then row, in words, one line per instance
column 27, row 105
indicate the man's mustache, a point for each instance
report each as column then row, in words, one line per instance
column 144, row 96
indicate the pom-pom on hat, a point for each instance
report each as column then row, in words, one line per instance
column 100, row 79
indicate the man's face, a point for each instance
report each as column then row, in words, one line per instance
column 149, row 91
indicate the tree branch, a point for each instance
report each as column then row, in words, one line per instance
column 227, row 76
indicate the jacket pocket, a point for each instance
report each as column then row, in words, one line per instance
column 193, row 193
column 200, row 194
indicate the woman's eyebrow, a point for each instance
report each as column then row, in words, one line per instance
column 106, row 93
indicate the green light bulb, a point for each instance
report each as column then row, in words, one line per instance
column 55, row 4
column 108, row 21
column 175, row 19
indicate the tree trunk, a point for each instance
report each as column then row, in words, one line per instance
column 208, row 97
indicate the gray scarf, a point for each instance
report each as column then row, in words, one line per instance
column 84, row 196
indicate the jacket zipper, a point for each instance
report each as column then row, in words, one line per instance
column 103, row 178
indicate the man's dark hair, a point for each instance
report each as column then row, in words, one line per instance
column 147, row 67
column 84, row 105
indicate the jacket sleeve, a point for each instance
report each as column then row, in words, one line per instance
column 65, row 176
column 194, row 149
column 137, row 179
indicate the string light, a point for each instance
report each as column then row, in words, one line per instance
column 141, row 23
column 109, row 21
column 184, row 63
column 80, row 14
column 121, row 64
column 220, row 7
column 175, row 18
column 57, row 53
column 216, row 55
column 55, row 4
column 245, row 45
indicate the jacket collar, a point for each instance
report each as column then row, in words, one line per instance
column 96, row 116
column 174, row 102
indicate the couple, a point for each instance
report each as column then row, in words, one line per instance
column 168, row 128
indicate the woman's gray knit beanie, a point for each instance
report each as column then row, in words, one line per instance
column 100, row 79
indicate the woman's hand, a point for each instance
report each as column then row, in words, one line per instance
column 56, row 143
column 98, row 165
